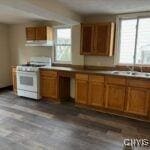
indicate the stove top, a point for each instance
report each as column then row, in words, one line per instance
column 34, row 64
column 31, row 65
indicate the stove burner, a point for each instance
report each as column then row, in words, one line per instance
column 31, row 65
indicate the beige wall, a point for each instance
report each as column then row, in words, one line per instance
column 77, row 59
column 19, row 52
column 4, row 57
column 88, row 60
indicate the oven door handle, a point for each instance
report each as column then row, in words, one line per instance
column 26, row 73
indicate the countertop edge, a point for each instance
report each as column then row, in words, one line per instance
column 96, row 72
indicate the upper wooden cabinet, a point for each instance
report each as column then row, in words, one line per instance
column 104, row 39
column 97, row 39
column 43, row 33
column 87, row 32
column 30, row 33
column 38, row 33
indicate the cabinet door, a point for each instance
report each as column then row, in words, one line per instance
column 30, row 33
column 81, row 89
column 115, row 97
column 49, row 87
column 14, row 80
column 87, row 31
column 104, row 39
column 138, row 101
column 96, row 91
column 41, row 33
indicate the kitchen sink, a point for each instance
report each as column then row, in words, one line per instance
column 131, row 73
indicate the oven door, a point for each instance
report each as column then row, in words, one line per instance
column 27, row 81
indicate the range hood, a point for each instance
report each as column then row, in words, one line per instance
column 39, row 43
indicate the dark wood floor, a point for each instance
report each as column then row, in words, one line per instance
column 40, row 125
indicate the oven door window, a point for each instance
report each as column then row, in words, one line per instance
column 24, row 80
column 27, row 81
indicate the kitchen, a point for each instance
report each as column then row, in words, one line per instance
column 80, row 75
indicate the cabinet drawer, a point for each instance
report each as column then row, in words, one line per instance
column 116, row 80
column 138, row 83
column 82, row 77
column 66, row 74
column 48, row 73
column 94, row 78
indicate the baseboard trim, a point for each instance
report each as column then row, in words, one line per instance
column 10, row 87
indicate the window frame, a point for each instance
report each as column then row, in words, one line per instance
column 55, row 40
column 118, row 35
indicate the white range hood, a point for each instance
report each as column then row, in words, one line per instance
column 39, row 43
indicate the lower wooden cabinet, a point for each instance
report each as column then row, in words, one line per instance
column 96, row 91
column 14, row 79
column 127, row 96
column 138, row 101
column 115, row 97
column 90, row 90
column 49, row 84
column 81, row 95
column 115, row 93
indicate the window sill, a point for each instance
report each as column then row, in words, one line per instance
column 62, row 64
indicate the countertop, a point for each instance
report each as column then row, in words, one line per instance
column 143, row 75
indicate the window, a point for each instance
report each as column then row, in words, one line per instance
column 134, row 42
column 63, row 45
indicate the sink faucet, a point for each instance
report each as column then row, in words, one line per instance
column 141, row 68
column 131, row 68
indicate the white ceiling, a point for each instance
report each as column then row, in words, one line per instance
column 91, row 7
column 22, row 11
column 12, row 16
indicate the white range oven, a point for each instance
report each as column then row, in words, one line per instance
column 28, row 84
column 28, row 81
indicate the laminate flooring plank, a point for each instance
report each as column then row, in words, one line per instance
column 44, row 125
